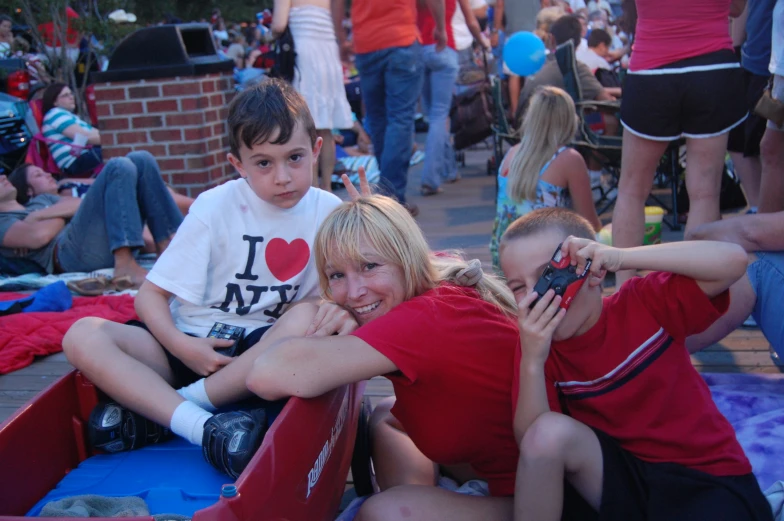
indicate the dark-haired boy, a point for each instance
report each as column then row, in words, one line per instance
column 609, row 402
column 241, row 257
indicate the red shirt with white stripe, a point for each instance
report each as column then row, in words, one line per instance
column 673, row 30
column 631, row 377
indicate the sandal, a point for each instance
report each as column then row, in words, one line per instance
column 90, row 287
column 122, row 283
column 429, row 190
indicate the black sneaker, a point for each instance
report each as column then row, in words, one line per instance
column 231, row 439
column 114, row 428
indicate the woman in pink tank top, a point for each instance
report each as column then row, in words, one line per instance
column 684, row 81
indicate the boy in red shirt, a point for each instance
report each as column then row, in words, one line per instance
column 613, row 421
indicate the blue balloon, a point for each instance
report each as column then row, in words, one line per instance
column 524, row 53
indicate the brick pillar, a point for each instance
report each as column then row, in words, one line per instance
column 181, row 121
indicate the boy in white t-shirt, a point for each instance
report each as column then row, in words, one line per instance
column 241, row 257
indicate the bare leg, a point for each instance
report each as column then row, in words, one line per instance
column 515, row 85
column 228, row 385
column 125, row 264
column 125, row 362
column 183, row 202
column 556, row 446
column 704, row 168
column 149, row 242
column 425, row 503
column 326, row 161
column 742, row 301
column 639, row 158
column 395, row 457
column 772, row 185
column 749, row 170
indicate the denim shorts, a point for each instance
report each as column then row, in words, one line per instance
column 766, row 275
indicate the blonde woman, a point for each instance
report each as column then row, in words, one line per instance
column 448, row 348
column 542, row 171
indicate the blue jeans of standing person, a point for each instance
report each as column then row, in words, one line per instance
column 391, row 81
column 128, row 193
column 441, row 70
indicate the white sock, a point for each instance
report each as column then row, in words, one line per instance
column 188, row 421
column 197, row 394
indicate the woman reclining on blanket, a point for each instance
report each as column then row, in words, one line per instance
column 103, row 230
column 447, row 348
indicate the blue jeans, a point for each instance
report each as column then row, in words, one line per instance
column 128, row 193
column 766, row 276
column 441, row 70
column 391, row 81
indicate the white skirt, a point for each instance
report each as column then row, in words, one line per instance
column 318, row 75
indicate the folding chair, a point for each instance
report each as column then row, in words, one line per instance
column 503, row 132
column 606, row 150
column 38, row 151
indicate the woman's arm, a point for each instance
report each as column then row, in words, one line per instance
column 573, row 168
column 93, row 136
column 308, row 367
column 761, row 232
column 280, row 17
column 64, row 208
column 473, row 23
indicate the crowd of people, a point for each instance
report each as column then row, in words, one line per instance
column 581, row 406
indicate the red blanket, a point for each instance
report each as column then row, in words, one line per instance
column 24, row 336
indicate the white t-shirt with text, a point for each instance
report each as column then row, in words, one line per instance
column 239, row 260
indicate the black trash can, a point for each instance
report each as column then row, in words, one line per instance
column 164, row 51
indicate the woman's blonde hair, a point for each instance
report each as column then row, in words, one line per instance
column 549, row 123
column 545, row 18
column 388, row 228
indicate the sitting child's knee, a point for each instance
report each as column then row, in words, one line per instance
column 547, row 437
column 73, row 341
column 384, row 505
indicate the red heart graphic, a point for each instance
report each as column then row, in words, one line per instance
column 284, row 259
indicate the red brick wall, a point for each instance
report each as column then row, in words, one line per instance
column 181, row 121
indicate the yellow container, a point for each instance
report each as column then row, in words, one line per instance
column 653, row 224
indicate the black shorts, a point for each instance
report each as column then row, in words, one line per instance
column 698, row 97
column 746, row 138
column 183, row 375
column 635, row 490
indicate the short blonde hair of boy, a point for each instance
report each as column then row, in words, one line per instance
column 566, row 222
column 389, row 229
column 549, row 123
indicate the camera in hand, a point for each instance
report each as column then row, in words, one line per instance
column 561, row 277
column 227, row 332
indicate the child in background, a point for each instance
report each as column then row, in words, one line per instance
column 542, row 171
column 241, row 257
column 608, row 400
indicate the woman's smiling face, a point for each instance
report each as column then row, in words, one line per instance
column 368, row 288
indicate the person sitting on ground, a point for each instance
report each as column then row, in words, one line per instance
column 613, row 420
column 31, row 180
column 64, row 129
column 103, row 230
column 440, row 331
column 6, row 35
column 758, row 293
column 543, row 171
column 242, row 256
column 564, row 29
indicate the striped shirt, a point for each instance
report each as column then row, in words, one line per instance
column 55, row 122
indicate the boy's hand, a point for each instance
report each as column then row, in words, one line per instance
column 331, row 319
column 200, row 356
column 537, row 325
column 603, row 258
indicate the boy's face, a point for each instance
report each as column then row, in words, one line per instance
column 279, row 174
column 601, row 50
column 523, row 260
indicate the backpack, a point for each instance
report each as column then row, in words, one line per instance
column 285, row 57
